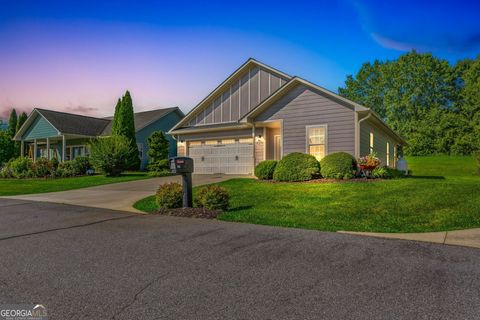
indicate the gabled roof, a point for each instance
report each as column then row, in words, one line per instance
column 66, row 123
column 295, row 81
column 248, row 64
column 74, row 124
column 144, row 118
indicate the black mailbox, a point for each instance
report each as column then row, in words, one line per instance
column 181, row 165
column 184, row 166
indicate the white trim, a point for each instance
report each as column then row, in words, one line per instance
column 282, row 139
column 307, row 145
column 264, row 143
column 275, row 147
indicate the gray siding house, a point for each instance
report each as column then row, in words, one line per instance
column 260, row 113
column 65, row 136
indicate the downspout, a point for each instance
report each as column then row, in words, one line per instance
column 254, row 145
column 359, row 132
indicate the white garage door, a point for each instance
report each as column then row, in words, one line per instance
column 229, row 156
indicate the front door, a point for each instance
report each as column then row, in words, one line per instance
column 277, row 147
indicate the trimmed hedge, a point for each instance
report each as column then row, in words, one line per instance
column 265, row 169
column 297, row 166
column 169, row 196
column 212, row 197
column 338, row 165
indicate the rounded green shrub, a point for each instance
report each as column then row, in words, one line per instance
column 81, row 165
column 42, row 168
column 21, row 167
column 169, row 196
column 265, row 169
column 65, row 169
column 212, row 197
column 297, row 167
column 338, row 165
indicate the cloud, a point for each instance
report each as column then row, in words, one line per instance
column 88, row 111
column 422, row 26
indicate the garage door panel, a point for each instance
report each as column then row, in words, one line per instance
column 234, row 158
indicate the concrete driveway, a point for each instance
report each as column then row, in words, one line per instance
column 90, row 263
column 116, row 196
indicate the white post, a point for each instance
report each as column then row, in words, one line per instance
column 63, row 148
column 34, row 149
column 22, row 148
column 48, row 148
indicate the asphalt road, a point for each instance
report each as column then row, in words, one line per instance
column 87, row 263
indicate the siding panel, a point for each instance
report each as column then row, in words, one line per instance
column 302, row 107
column 380, row 139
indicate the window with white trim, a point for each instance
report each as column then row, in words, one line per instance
column 388, row 154
column 316, row 141
column 228, row 141
column 245, row 140
column 371, row 141
column 211, row 142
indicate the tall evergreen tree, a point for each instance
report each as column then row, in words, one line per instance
column 124, row 125
column 21, row 120
column 12, row 123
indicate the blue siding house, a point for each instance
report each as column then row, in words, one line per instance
column 53, row 134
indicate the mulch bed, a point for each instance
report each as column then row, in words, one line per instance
column 190, row 213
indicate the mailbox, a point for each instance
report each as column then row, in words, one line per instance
column 184, row 166
column 181, row 165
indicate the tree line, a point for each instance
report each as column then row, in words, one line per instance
column 8, row 148
column 434, row 105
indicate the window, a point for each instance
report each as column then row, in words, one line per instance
column 316, row 141
column 245, row 140
column 371, row 142
column 140, row 150
column 388, row 154
column 228, row 141
column 211, row 142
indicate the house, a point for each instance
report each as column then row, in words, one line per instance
column 261, row 113
column 49, row 134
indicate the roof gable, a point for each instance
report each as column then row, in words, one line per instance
column 240, row 93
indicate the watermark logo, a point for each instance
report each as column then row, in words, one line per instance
column 23, row 312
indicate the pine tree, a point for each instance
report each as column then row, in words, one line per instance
column 124, row 125
column 21, row 120
column 12, row 123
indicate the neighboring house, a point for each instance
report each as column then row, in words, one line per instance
column 49, row 134
column 261, row 113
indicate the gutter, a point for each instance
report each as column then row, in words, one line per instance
column 357, row 140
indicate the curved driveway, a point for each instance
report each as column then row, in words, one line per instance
column 115, row 196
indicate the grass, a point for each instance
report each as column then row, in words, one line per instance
column 443, row 194
column 10, row 187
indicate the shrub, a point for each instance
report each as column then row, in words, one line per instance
column 158, row 166
column 65, row 169
column 338, row 165
column 111, row 155
column 297, row 167
column 54, row 163
column 212, row 197
column 265, row 169
column 477, row 158
column 20, row 167
column 169, row 195
column 387, row 173
column 81, row 165
column 42, row 168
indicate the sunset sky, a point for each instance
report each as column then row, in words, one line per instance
column 80, row 56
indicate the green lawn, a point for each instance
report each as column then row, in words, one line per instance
column 443, row 194
column 10, row 187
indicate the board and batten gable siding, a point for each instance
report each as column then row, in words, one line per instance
column 240, row 97
column 303, row 107
column 380, row 139
column 40, row 129
column 163, row 124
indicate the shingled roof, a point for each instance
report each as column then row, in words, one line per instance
column 69, row 123
column 142, row 119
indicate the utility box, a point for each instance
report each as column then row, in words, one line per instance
column 181, row 165
column 184, row 166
